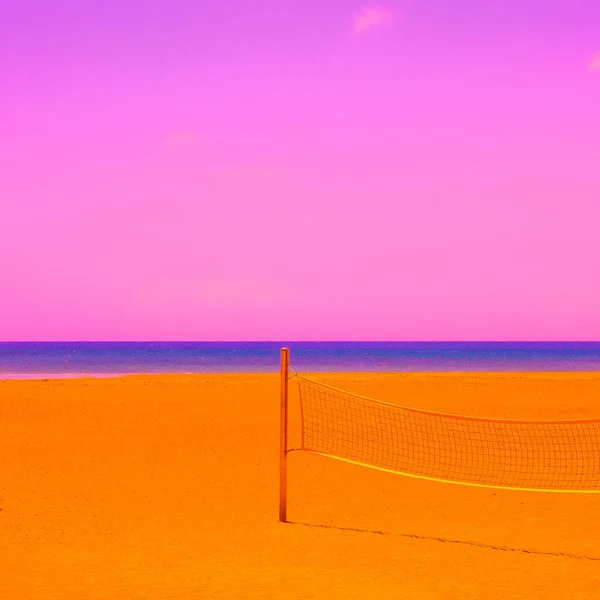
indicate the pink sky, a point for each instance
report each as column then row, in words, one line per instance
column 301, row 170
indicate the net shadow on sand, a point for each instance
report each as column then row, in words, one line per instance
column 427, row 538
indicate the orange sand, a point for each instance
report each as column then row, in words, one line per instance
column 166, row 487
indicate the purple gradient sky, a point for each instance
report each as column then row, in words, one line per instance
column 308, row 169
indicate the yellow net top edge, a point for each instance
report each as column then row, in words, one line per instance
column 455, row 482
column 450, row 415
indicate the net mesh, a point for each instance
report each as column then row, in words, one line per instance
column 534, row 455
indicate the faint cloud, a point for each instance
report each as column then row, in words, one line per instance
column 181, row 139
column 595, row 62
column 248, row 175
column 258, row 176
column 372, row 17
column 173, row 293
column 223, row 293
column 220, row 291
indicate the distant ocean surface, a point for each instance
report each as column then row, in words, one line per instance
column 68, row 359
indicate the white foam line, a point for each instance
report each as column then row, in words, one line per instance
column 61, row 375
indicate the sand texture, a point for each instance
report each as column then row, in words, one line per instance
column 166, row 487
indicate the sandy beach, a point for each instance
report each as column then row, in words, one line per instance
column 166, row 487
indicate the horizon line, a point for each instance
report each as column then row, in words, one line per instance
column 283, row 341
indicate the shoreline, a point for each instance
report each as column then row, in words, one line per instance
column 172, row 374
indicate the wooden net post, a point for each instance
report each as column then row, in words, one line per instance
column 283, row 425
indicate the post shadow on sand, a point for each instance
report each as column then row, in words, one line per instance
column 446, row 541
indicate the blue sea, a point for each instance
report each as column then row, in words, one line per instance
column 68, row 359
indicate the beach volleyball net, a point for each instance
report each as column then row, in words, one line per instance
column 526, row 455
column 544, row 456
